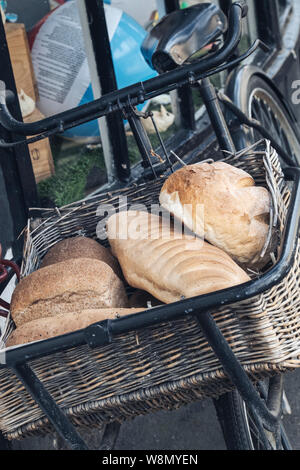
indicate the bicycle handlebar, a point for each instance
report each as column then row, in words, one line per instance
column 131, row 95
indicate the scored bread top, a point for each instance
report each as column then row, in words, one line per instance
column 221, row 203
column 166, row 263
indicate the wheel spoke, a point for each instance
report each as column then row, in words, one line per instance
column 265, row 110
column 254, row 433
column 264, row 116
column 255, row 114
column 261, row 438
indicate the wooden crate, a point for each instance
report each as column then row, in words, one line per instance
column 21, row 59
column 40, row 153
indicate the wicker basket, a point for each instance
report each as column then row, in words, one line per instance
column 164, row 366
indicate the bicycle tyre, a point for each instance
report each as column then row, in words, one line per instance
column 240, row 430
column 259, row 101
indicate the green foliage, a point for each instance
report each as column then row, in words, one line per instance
column 71, row 172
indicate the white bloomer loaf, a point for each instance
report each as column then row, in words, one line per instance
column 166, row 263
column 221, row 203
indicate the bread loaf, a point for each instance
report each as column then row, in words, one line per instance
column 80, row 247
column 221, row 203
column 66, row 287
column 166, row 263
column 61, row 324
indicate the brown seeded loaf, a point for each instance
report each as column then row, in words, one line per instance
column 61, row 324
column 67, row 287
column 80, row 247
column 233, row 213
column 166, row 263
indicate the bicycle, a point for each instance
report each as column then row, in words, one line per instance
column 250, row 415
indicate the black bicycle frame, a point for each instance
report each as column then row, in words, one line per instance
column 102, row 333
column 134, row 94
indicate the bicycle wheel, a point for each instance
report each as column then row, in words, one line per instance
column 240, row 429
column 258, row 101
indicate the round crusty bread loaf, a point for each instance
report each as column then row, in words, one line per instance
column 67, row 287
column 165, row 262
column 80, row 247
column 61, row 324
column 221, row 203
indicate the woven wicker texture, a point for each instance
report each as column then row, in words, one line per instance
column 165, row 366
